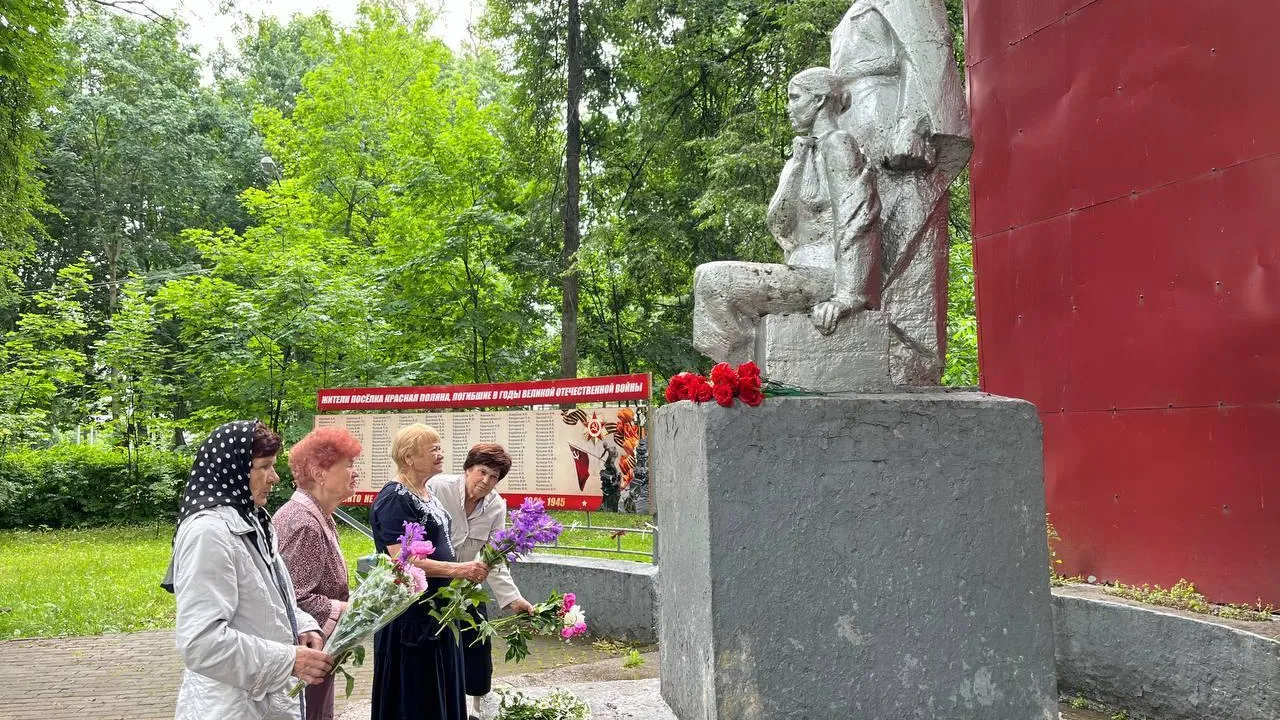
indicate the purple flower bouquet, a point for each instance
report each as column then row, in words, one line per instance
column 530, row 525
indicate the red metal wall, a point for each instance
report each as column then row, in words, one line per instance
column 1126, row 198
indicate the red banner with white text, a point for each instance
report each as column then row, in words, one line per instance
column 513, row 394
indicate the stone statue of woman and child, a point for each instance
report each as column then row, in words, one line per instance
column 860, row 213
column 897, row 510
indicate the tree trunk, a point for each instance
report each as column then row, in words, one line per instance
column 573, row 153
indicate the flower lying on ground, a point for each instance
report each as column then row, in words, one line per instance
column 559, row 705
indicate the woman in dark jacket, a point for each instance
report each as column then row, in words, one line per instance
column 417, row 670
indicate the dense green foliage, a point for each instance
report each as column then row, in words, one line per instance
column 155, row 280
column 28, row 71
column 73, row 485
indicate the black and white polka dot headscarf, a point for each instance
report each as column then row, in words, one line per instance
column 220, row 475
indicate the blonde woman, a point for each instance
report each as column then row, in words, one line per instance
column 417, row 673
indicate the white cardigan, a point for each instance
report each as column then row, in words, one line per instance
column 472, row 532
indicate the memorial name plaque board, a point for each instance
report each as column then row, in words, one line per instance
column 571, row 459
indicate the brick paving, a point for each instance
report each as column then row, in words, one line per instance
column 131, row 676
column 134, row 676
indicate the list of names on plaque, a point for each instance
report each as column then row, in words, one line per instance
column 381, row 429
column 407, row 419
column 519, row 440
column 544, row 454
column 461, row 426
column 359, row 426
column 487, row 430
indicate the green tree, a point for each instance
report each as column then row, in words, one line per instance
column 380, row 255
column 393, row 146
column 962, row 319
column 28, row 71
column 573, row 192
column 684, row 134
column 272, row 60
column 44, row 361
column 138, row 151
column 132, row 369
column 281, row 310
column 562, row 79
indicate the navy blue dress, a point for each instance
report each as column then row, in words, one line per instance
column 417, row 675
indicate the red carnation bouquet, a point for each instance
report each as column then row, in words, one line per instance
column 726, row 383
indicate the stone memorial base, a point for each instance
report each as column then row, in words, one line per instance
column 869, row 557
column 855, row 357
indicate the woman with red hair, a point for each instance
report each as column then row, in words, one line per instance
column 324, row 474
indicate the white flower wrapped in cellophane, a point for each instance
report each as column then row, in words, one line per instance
column 391, row 587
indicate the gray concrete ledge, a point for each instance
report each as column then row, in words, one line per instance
column 1163, row 664
column 1151, row 662
column 619, row 597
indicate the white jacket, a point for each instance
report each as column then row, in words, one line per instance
column 233, row 630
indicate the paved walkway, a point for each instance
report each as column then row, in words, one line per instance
column 132, row 676
column 135, row 676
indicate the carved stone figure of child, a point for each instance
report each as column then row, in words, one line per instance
column 824, row 215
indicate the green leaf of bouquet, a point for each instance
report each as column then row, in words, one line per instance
column 351, row 681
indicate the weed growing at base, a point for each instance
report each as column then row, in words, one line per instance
column 1184, row 596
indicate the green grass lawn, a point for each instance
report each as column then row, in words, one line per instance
column 106, row 580
column 83, row 582
column 576, row 535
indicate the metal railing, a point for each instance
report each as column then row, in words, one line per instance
column 344, row 517
column 615, row 533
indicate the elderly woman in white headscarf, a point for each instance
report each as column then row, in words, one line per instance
column 240, row 633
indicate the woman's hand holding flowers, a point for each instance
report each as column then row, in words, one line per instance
column 311, row 666
column 520, row 605
column 475, row 571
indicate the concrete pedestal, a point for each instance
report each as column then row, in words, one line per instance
column 854, row 358
column 870, row 557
